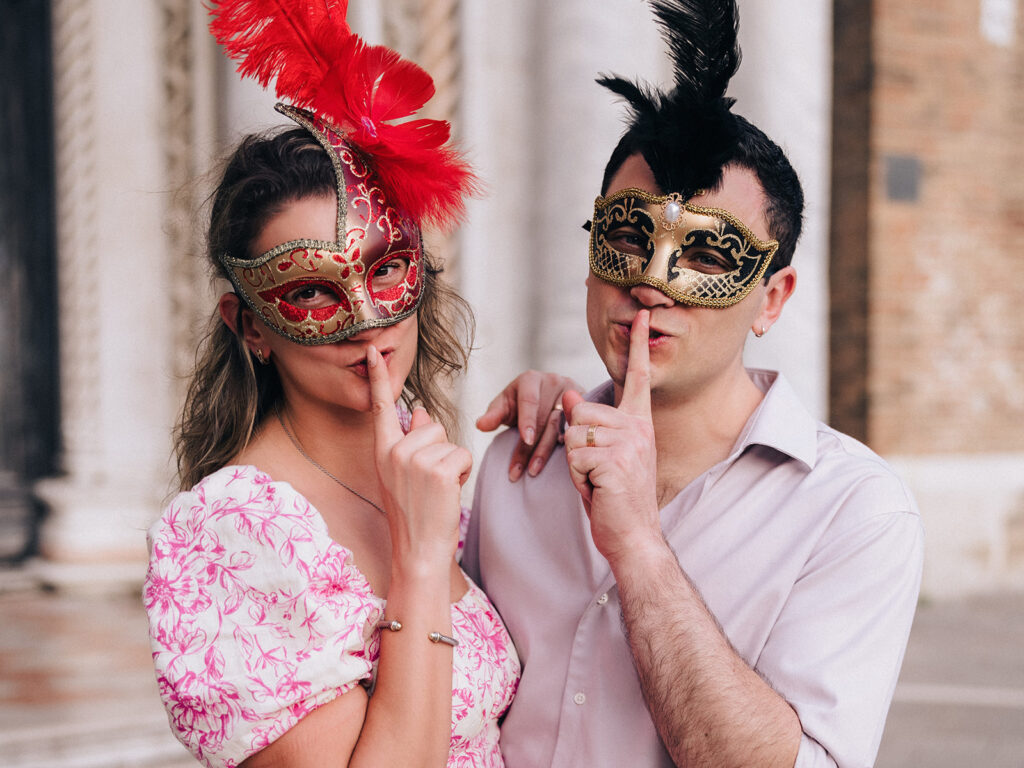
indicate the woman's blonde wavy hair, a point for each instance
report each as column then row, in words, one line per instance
column 228, row 396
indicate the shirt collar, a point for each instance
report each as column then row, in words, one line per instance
column 780, row 422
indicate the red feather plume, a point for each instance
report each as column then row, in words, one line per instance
column 319, row 64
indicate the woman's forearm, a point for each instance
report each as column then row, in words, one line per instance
column 408, row 718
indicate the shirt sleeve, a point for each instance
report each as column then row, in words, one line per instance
column 836, row 650
column 470, row 560
column 256, row 616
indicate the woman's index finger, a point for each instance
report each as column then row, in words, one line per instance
column 386, row 428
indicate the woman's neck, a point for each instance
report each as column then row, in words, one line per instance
column 339, row 440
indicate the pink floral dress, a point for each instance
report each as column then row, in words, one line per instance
column 257, row 617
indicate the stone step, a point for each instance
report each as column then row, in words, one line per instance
column 142, row 743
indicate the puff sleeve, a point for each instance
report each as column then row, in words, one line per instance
column 256, row 615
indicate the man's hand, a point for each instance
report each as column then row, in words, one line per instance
column 532, row 401
column 612, row 456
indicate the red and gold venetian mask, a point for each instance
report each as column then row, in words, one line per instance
column 371, row 275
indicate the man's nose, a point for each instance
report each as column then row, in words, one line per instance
column 649, row 296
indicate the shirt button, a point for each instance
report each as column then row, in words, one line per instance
column 602, row 599
column 580, row 698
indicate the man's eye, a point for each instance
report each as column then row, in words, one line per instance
column 312, row 296
column 709, row 262
column 627, row 241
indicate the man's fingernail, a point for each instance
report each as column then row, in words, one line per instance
column 516, row 472
column 536, row 466
column 371, row 356
column 530, row 435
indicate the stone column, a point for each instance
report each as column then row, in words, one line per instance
column 539, row 131
column 120, row 270
column 784, row 86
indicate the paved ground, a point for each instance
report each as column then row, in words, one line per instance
column 76, row 685
column 960, row 700
column 77, row 688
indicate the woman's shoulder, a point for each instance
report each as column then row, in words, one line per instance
column 237, row 496
column 229, row 481
column 240, row 519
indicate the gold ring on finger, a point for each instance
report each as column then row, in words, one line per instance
column 592, row 436
column 557, row 407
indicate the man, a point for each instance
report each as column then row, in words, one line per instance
column 705, row 575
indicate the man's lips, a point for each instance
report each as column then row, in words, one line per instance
column 359, row 367
column 654, row 336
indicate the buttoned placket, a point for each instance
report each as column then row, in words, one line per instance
column 579, row 676
column 573, row 712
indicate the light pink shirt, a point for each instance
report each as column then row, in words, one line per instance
column 804, row 544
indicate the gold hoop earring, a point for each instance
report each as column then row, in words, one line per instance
column 259, row 356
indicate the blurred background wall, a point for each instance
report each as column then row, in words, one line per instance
column 901, row 118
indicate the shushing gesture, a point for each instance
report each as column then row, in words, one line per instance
column 420, row 472
column 612, row 457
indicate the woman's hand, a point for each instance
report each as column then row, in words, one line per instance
column 421, row 474
column 532, row 401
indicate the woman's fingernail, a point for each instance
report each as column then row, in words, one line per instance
column 516, row 472
column 536, row 466
column 531, row 434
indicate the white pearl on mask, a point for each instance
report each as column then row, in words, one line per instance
column 672, row 211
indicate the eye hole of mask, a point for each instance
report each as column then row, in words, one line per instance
column 629, row 240
column 310, row 294
column 389, row 278
column 705, row 260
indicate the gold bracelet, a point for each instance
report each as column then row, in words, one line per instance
column 434, row 637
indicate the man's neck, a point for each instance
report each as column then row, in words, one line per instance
column 693, row 432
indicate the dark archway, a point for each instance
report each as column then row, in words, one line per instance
column 29, row 393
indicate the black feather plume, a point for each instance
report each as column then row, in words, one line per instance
column 702, row 40
column 688, row 134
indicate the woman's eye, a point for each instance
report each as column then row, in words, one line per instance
column 389, row 274
column 312, row 295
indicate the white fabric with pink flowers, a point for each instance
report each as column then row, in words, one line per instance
column 257, row 617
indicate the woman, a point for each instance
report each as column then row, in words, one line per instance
column 309, row 560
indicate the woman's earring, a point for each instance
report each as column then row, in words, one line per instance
column 762, row 333
column 259, row 356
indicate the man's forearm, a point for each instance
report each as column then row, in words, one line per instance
column 709, row 707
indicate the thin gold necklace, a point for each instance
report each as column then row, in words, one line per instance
column 309, row 458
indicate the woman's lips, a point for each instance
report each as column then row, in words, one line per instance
column 359, row 368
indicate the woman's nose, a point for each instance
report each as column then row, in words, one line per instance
column 366, row 335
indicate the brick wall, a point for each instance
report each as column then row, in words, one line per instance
column 944, row 265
